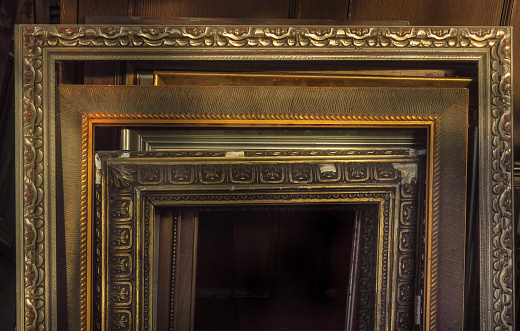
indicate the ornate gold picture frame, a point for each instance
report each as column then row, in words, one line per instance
column 56, row 127
column 133, row 185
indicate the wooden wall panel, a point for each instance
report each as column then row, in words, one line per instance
column 204, row 8
column 428, row 12
column 8, row 14
column 69, row 11
column 325, row 9
column 101, row 8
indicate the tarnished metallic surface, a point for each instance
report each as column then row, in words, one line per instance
column 427, row 109
column 133, row 181
column 239, row 139
column 39, row 48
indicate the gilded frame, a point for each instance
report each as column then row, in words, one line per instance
column 39, row 47
column 132, row 185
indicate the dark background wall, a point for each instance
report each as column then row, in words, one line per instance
column 416, row 12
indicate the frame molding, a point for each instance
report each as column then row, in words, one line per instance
column 39, row 47
column 134, row 184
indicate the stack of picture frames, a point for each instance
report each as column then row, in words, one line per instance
column 409, row 126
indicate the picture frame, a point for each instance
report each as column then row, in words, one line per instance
column 46, row 146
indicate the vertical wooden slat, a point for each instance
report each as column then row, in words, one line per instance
column 25, row 13
column 101, row 72
column 101, row 8
column 7, row 20
column 215, row 8
column 39, row 15
column 325, row 9
column 69, row 11
column 427, row 12
column 184, row 299
column 507, row 12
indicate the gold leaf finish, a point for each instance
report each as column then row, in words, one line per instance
column 38, row 46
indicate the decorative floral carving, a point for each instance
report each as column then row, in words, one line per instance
column 150, row 174
column 496, row 40
column 120, row 264
column 120, row 321
column 121, row 176
column 406, row 267
column 406, row 294
column 120, row 208
column 357, row 171
column 212, row 173
column 272, row 173
column 121, row 237
column 409, row 189
column 181, row 173
column 121, row 293
column 385, row 171
column 366, row 294
column 242, row 173
column 409, row 213
column 407, row 240
column 405, row 320
column 301, row 173
column 264, row 36
column 146, row 306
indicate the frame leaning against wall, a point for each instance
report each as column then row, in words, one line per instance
column 40, row 47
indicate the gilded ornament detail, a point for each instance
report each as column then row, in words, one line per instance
column 120, row 235
column 181, row 173
column 357, row 171
column 33, row 220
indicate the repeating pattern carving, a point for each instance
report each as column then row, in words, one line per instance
column 84, row 223
column 358, row 171
column 265, row 36
column 328, row 172
column 122, row 176
column 121, row 294
column 126, row 178
column 272, row 173
column 120, row 264
column 122, row 234
column 174, row 271
column 385, row 171
column 408, row 259
column 121, row 237
column 242, row 173
column 503, row 295
column 496, row 40
column 384, row 270
column 98, row 265
column 273, row 117
column 181, row 174
column 301, row 173
column 212, row 174
column 150, row 175
column 146, row 264
column 120, row 320
column 121, row 208
column 367, row 272
column 270, row 153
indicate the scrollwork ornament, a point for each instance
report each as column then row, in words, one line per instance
column 502, row 185
column 231, row 36
column 35, row 38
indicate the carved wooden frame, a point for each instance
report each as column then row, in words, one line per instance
column 133, row 184
column 39, row 47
